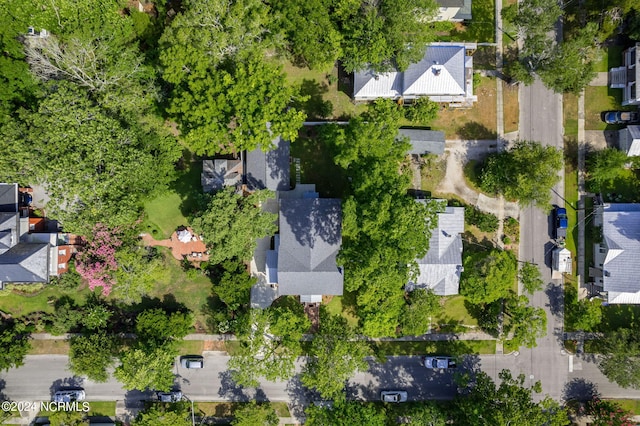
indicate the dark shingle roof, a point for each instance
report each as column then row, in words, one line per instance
column 424, row 141
column 25, row 263
column 310, row 238
column 8, row 197
column 268, row 170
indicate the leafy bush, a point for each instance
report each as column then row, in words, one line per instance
column 486, row 222
column 422, row 111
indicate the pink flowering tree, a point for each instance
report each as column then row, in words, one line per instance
column 608, row 413
column 96, row 261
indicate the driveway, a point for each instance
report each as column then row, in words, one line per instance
column 457, row 154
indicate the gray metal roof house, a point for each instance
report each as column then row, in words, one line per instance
column 302, row 258
column 424, row 141
column 445, row 74
column 618, row 253
column 441, row 267
column 268, row 170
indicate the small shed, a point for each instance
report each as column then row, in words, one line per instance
column 562, row 260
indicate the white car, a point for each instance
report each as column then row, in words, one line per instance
column 69, row 395
column 394, row 396
column 192, row 361
column 437, row 362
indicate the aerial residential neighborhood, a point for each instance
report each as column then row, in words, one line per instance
column 315, row 212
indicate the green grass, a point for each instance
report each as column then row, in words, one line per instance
column 615, row 317
column 482, row 27
column 193, row 293
column 18, row 305
column 170, row 209
column 102, row 408
column 455, row 312
column 472, row 174
column 571, row 198
column 227, row 409
column 454, row 347
column 190, row 347
column 570, row 112
column 335, row 307
column 588, row 235
column 317, row 166
column 598, row 99
column 610, row 57
column 47, row 347
column 631, row 405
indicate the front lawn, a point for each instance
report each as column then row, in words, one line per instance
column 598, row 99
column 571, row 198
column 510, row 108
column 335, row 307
column 478, row 122
column 454, row 312
column 102, row 408
column 609, row 57
column 482, row 27
column 570, row 112
column 453, row 347
column 48, row 347
column 19, row 305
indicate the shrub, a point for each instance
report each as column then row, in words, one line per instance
column 422, row 111
column 486, row 222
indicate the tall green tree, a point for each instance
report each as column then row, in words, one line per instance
column 605, row 167
column 176, row 414
column 483, row 403
column 67, row 418
column 231, row 223
column 384, row 230
column 253, row 414
column 526, row 322
column 346, row 413
column 582, row 314
column 14, row 340
column 525, row 172
column 530, row 277
column 334, row 357
column 488, row 277
column 158, row 327
column 234, row 284
column 422, row 305
column 621, row 358
column 91, row 355
column 269, row 345
column 147, row 367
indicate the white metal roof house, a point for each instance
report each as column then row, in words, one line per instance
column 629, row 140
column 445, row 74
column 617, row 255
column 453, row 10
column 627, row 76
column 441, row 267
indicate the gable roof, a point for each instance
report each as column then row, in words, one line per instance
column 441, row 267
column 464, row 12
column 629, row 140
column 621, row 233
column 219, row 173
column 8, row 197
column 443, row 74
column 269, row 170
column 25, row 263
column 424, row 141
column 310, row 238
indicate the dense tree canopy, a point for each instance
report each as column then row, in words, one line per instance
column 253, row 414
column 231, row 223
column 621, row 359
column 346, row 413
column 334, row 357
column 488, row 277
column 14, row 340
column 525, row 172
column 159, row 327
column 384, row 230
column 605, row 167
column 176, row 414
column 91, row 355
column 147, row 367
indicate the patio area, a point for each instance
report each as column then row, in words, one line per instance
column 184, row 244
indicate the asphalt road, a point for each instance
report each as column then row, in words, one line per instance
column 541, row 120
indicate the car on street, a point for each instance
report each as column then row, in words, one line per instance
column 621, row 117
column 192, row 361
column 69, row 395
column 171, row 396
column 439, row 362
column 561, row 222
column 394, row 396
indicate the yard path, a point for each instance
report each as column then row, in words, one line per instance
column 459, row 152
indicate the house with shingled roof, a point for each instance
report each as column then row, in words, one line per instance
column 27, row 257
column 445, row 74
column 453, row 10
column 627, row 76
column 616, row 257
column 441, row 267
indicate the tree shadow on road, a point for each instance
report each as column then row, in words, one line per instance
column 555, row 294
column 580, row 389
column 300, row 396
column 66, row 383
column 229, row 389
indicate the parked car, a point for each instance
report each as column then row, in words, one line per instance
column 561, row 222
column 437, row 362
column 171, row 396
column 69, row 395
column 394, row 396
column 621, row 117
column 192, row 361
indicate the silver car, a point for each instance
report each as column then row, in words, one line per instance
column 192, row 361
column 69, row 395
column 394, row 396
column 171, row 396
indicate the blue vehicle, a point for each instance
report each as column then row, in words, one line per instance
column 561, row 222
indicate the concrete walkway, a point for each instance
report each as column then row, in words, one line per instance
column 601, row 79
